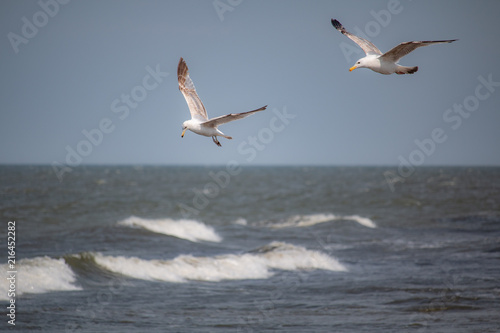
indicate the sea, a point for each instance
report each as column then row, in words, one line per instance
column 250, row 249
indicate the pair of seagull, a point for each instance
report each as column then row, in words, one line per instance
column 383, row 63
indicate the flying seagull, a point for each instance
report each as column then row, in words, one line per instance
column 385, row 63
column 199, row 122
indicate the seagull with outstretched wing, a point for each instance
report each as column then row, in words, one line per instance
column 199, row 122
column 385, row 63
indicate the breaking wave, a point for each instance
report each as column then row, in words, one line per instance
column 257, row 264
column 190, row 230
column 39, row 275
column 310, row 220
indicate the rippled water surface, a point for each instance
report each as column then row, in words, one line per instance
column 262, row 249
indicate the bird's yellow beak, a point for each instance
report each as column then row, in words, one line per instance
column 183, row 132
column 352, row 68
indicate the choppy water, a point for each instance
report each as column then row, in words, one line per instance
column 266, row 249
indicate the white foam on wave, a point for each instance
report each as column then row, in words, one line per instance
column 313, row 219
column 361, row 220
column 240, row 221
column 38, row 275
column 191, row 230
column 253, row 265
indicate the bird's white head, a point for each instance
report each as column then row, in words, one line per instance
column 371, row 61
column 361, row 63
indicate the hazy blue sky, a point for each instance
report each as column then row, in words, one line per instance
column 98, row 79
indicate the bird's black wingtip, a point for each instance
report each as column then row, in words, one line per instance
column 447, row 40
column 336, row 24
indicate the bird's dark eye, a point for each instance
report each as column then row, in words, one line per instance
column 359, row 62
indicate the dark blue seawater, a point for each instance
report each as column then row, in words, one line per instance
column 252, row 249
